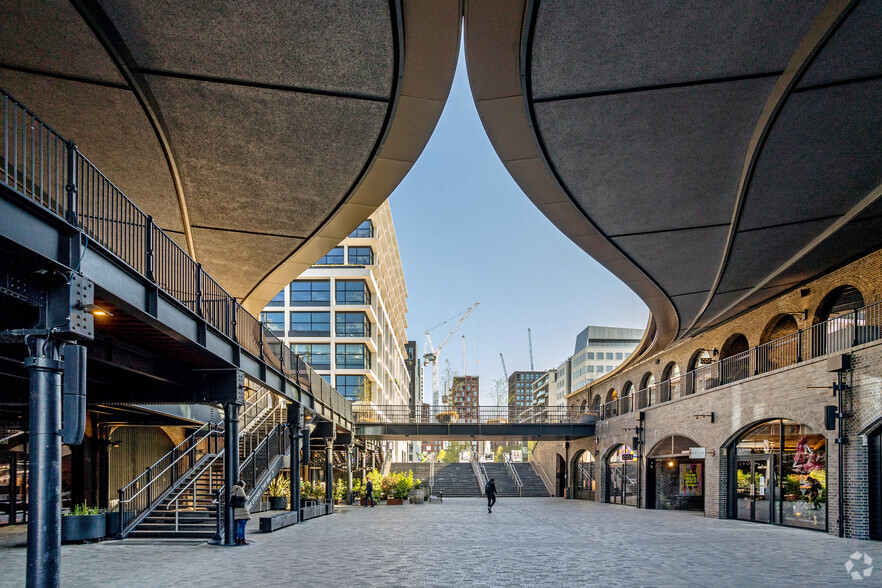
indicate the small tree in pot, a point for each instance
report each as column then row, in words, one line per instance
column 279, row 490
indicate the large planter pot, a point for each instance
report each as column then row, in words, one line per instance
column 394, row 501
column 278, row 502
column 83, row 528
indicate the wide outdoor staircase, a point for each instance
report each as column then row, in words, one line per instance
column 531, row 480
column 451, row 479
column 177, row 496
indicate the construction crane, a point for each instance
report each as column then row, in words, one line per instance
column 530, row 339
column 463, row 356
column 431, row 353
column 504, row 371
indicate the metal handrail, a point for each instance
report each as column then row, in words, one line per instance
column 47, row 169
column 207, row 428
column 543, row 475
column 476, row 469
column 167, row 468
column 205, row 467
column 835, row 335
column 489, row 415
column 514, row 474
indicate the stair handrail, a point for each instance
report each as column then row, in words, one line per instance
column 431, row 474
column 481, row 476
column 207, row 429
column 514, row 474
column 192, row 483
column 151, row 496
column 205, row 467
column 257, row 404
column 251, row 434
column 543, row 475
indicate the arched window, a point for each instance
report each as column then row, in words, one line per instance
column 647, row 380
column 621, row 481
column 610, row 406
column 839, row 302
column 734, row 345
column 596, row 401
column 627, row 389
column 670, row 386
column 584, row 474
column 843, row 327
column 627, row 400
column 734, row 360
column 780, row 344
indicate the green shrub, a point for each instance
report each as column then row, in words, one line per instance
column 82, row 510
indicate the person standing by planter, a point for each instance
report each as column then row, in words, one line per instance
column 369, row 493
column 490, row 491
column 240, row 511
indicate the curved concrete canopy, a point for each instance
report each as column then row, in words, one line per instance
column 710, row 154
column 258, row 135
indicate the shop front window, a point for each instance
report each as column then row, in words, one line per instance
column 622, row 478
column 585, row 472
column 780, row 471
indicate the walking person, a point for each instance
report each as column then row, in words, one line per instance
column 369, row 497
column 240, row 511
column 490, row 491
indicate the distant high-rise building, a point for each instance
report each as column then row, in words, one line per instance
column 463, row 398
column 346, row 317
column 520, row 391
column 415, row 392
column 599, row 350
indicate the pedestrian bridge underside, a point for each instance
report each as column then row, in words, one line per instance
column 402, row 423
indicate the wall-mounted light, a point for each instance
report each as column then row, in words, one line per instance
column 94, row 309
column 704, row 416
column 671, row 464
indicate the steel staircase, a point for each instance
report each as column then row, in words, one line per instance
column 181, row 502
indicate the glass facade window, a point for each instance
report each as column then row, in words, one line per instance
column 609, row 355
column 274, row 321
column 350, row 386
column 622, row 477
column 586, row 482
column 364, row 230
column 318, row 356
column 352, row 292
column 352, row 324
column 332, row 257
column 361, row 256
column 278, row 299
column 311, row 293
column 310, row 324
column 353, row 356
column 780, row 475
column 589, row 355
column 619, row 356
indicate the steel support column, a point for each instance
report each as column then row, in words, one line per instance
column 44, row 501
column 294, row 431
column 329, row 474
column 231, row 467
column 349, row 458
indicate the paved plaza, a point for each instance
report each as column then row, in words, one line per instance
column 527, row 541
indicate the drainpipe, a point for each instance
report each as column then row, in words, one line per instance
column 841, row 441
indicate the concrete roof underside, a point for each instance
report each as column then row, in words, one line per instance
column 711, row 155
column 258, row 135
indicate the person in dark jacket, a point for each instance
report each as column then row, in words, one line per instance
column 490, row 491
column 369, row 493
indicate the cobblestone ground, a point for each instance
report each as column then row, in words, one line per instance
column 526, row 541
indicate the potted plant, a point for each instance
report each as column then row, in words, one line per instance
column 377, row 479
column 359, row 489
column 401, row 488
column 279, row 490
column 339, row 491
column 446, row 417
column 83, row 523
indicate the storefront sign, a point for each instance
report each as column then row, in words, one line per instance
column 696, row 452
column 627, row 456
column 706, row 360
column 516, row 456
column 690, row 479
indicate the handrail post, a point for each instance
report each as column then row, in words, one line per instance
column 149, row 485
column 119, row 533
column 199, row 273
column 260, row 340
column 799, row 345
column 71, row 187
column 854, row 341
column 149, row 267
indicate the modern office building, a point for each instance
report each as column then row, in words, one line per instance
column 415, row 393
column 600, row 350
column 544, row 389
column 346, row 317
column 463, row 399
column 520, row 391
column 562, row 384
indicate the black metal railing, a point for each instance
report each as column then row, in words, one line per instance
column 147, row 490
column 835, row 335
column 49, row 170
column 478, row 414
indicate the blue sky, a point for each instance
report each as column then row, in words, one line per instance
column 468, row 233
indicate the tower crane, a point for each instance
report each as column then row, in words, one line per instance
column 504, row 371
column 431, row 353
column 530, row 339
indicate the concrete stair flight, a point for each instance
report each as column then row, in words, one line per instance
column 451, row 479
column 533, row 486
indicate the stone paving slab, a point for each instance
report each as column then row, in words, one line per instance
column 534, row 542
